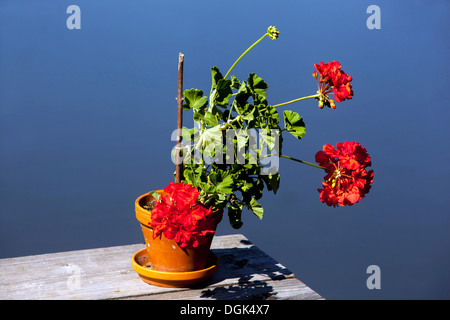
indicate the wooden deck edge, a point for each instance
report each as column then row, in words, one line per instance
column 246, row 272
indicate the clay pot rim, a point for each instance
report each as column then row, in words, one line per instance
column 173, row 276
column 142, row 215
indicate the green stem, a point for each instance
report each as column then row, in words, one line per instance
column 231, row 110
column 232, row 121
column 297, row 160
column 245, row 52
column 295, row 100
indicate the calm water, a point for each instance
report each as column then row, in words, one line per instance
column 86, row 117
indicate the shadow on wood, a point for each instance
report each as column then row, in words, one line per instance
column 244, row 290
column 245, row 272
column 255, row 272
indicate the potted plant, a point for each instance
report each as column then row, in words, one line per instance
column 226, row 161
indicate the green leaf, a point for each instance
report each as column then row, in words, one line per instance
column 267, row 139
column 194, row 99
column 155, row 195
column 198, row 116
column 189, row 177
column 220, row 89
column 272, row 181
column 223, row 92
column 189, row 134
column 207, row 188
column 234, row 215
column 216, row 76
column 210, row 139
column 248, row 114
column 235, row 83
column 257, row 87
column 241, row 139
column 210, row 119
column 294, row 124
column 226, row 186
column 242, row 95
column 272, row 116
column 256, row 208
column 247, row 186
column 222, row 181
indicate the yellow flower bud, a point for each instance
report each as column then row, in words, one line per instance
column 332, row 105
column 273, row 32
column 320, row 103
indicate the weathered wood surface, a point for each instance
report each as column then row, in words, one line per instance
column 245, row 272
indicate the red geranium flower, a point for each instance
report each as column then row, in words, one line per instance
column 342, row 88
column 347, row 180
column 332, row 80
column 180, row 216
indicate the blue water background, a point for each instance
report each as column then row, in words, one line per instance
column 86, row 117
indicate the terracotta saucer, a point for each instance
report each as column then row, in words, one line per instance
column 140, row 261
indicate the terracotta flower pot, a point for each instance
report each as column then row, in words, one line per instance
column 165, row 254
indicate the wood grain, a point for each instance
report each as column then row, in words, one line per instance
column 245, row 272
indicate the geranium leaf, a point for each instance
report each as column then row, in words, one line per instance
column 256, row 208
column 234, row 215
column 272, row 181
column 216, row 76
column 257, row 87
column 210, row 139
column 267, row 139
column 155, row 195
column 223, row 92
column 242, row 95
column 235, row 83
column 194, row 99
column 246, row 186
column 222, row 180
column 294, row 124
column 210, row 119
column 198, row 117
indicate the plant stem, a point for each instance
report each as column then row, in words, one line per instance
column 179, row 166
column 231, row 110
column 295, row 100
column 230, row 122
column 245, row 52
column 297, row 160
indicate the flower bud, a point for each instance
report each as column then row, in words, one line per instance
column 333, row 184
column 332, row 105
column 273, row 32
column 314, row 74
column 321, row 103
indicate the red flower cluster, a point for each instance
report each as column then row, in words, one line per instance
column 347, row 180
column 332, row 79
column 180, row 216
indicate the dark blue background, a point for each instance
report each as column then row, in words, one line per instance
column 86, row 117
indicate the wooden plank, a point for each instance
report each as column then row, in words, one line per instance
column 106, row 273
column 286, row 289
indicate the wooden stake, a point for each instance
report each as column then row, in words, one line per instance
column 179, row 165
